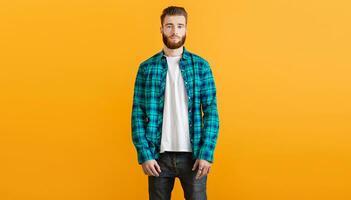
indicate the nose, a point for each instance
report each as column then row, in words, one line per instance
column 175, row 31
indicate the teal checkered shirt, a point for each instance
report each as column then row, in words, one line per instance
column 148, row 102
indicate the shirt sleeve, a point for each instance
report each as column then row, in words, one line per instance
column 138, row 119
column 210, row 126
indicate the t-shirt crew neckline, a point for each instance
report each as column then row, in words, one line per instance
column 173, row 57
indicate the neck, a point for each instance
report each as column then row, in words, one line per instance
column 173, row 52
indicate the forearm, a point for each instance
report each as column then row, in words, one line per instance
column 210, row 128
column 138, row 119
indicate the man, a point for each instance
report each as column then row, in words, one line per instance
column 171, row 91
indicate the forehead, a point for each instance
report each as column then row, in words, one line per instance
column 174, row 19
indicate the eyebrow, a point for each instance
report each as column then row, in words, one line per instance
column 172, row 24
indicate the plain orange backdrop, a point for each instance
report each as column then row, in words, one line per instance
column 282, row 71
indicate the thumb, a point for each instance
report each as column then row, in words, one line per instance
column 195, row 165
column 158, row 167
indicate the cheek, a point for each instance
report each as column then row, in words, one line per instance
column 182, row 32
column 166, row 33
column 167, row 30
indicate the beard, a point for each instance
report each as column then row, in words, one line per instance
column 173, row 45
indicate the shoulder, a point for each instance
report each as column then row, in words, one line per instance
column 203, row 64
column 151, row 60
column 143, row 65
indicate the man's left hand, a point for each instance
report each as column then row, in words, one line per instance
column 204, row 168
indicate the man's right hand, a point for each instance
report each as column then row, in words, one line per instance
column 151, row 168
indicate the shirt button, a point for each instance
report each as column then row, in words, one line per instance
column 189, row 97
column 185, row 82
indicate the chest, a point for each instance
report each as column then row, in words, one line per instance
column 156, row 77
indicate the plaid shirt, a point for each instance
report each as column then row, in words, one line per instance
column 148, row 102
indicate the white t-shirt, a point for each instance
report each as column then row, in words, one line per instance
column 175, row 127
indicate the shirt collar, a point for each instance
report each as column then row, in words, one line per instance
column 185, row 54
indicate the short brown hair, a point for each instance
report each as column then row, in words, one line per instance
column 174, row 10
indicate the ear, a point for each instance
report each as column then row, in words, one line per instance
column 160, row 29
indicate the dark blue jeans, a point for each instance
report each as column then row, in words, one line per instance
column 177, row 164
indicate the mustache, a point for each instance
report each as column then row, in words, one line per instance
column 172, row 44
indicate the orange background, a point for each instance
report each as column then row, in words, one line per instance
column 282, row 71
